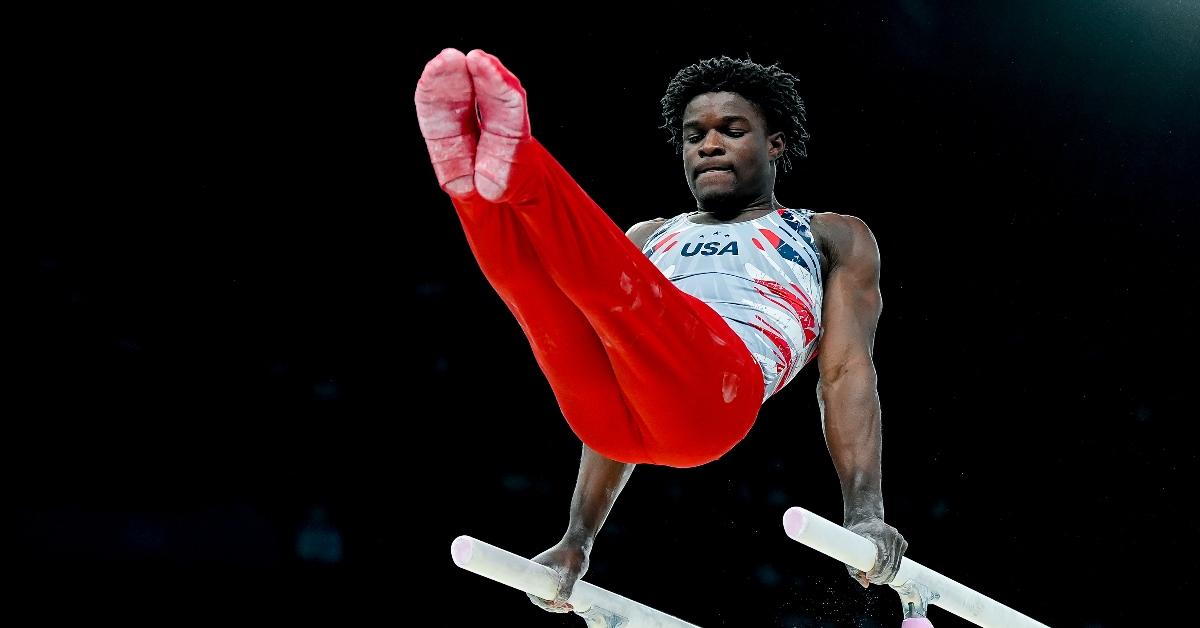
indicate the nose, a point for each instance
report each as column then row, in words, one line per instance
column 711, row 145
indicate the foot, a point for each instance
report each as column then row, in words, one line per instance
column 445, row 100
column 504, row 119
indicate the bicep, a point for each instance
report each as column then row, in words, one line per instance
column 852, row 302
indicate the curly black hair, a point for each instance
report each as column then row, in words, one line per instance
column 768, row 87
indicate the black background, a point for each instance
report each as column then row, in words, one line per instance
column 241, row 298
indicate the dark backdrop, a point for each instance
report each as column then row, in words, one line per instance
column 256, row 369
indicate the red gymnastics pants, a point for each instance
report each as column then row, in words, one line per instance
column 642, row 371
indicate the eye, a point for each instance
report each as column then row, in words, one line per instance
column 732, row 133
column 691, row 139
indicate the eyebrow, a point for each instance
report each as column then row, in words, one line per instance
column 690, row 124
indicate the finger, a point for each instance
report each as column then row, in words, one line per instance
column 882, row 560
column 546, row 605
column 887, row 572
column 566, row 584
column 897, row 556
column 857, row 575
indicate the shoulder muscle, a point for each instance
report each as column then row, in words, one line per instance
column 642, row 231
column 849, row 244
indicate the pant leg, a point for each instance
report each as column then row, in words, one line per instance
column 685, row 374
column 564, row 344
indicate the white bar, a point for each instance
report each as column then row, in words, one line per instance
column 521, row 573
column 841, row 544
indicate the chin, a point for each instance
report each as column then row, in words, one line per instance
column 716, row 199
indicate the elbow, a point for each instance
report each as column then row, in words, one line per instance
column 857, row 374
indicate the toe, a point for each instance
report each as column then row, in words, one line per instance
column 501, row 97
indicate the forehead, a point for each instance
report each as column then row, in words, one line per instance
column 716, row 105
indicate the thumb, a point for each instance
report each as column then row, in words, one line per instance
column 858, row 576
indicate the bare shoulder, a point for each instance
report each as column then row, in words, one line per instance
column 642, row 231
column 844, row 238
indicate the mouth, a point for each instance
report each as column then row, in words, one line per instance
column 712, row 171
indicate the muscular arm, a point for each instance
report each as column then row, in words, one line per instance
column 847, row 390
column 599, row 483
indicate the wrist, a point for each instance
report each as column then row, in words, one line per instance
column 862, row 507
column 579, row 539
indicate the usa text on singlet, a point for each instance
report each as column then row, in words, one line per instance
column 763, row 276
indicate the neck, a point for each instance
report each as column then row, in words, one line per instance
column 730, row 212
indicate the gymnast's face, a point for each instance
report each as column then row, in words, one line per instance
column 728, row 155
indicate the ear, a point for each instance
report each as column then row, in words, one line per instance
column 777, row 143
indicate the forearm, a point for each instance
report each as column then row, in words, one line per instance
column 599, row 483
column 850, row 415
